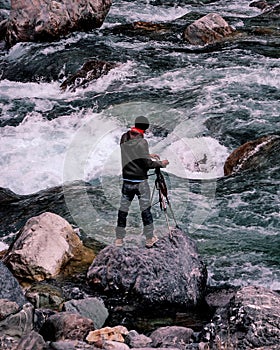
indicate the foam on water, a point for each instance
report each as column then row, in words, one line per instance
column 37, row 91
column 196, row 158
column 147, row 12
column 3, row 246
column 31, row 161
column 39, row 153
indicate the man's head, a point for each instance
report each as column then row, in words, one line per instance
column 142, row 123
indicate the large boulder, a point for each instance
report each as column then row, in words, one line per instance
column 40, row 20
column 253, row 154
column 44, row 245
column 169, row 273
column 250, row 321
column 209, row 29
column 92, row 308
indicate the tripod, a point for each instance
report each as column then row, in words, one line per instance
column 163, row 201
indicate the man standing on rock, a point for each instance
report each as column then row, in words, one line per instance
column 136, row 161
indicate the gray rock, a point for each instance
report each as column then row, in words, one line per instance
column 149, row 348
column 31, row 341
column 172, row 336
column 114, row 345
column 92, row 308
column 18, row 324
column 8, row 343
column 136, row 340
column 7, row 308
column 9, row 286
column 170, row 272
column 70, row 345
column 5, row 4
column 32, row 20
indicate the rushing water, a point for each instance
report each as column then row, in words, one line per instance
column 205, row 101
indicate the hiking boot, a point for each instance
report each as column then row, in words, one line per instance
column 151, row 241
column 119, row 242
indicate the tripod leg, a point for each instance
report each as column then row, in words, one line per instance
column 166, row 216
column 152, row 197
column 172, row 213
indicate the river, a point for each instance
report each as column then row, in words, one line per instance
column 202, row 102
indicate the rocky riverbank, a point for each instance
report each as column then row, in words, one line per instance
column 56, row 294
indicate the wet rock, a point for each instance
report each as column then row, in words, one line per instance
column 142, row 28
column 45, row 296
column 9, row 286
column 261, row 4
column 3, row 27
column 90, row 71
column 42, row 20
column 250, row 321
column 136, row 340
column 92, row 308
column 270, row 11
column 8, row 196
column 66, row 325
column 253, row 154
column 173, row 336
column 44, row 245
column 209, row 29
column 18, row 324
column 107, row 333
column 171, row 272
column 220, row 297
column 32, row 341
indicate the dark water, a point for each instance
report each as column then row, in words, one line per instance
column 207, row 100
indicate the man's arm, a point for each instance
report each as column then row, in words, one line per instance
column 152, row 164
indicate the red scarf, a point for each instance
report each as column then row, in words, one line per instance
column 139, row 131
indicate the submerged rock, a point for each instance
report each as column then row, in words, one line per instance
column 171, row 272
column 91, row 70
column 209, row 29
column 42, row 20
column 43, row 247
column 252, row 154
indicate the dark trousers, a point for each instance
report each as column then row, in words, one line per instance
column 142, row 191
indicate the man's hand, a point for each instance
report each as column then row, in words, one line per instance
column 164, row 163
column 155, row 156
